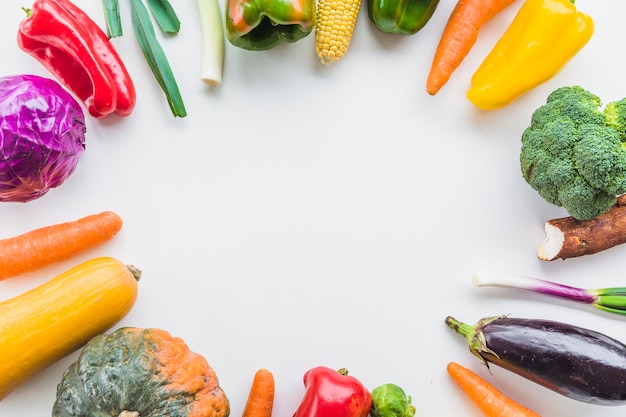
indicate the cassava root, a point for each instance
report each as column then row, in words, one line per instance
column 569, row 238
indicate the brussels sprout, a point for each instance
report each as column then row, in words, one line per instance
column 389, row 400
column 42, row 135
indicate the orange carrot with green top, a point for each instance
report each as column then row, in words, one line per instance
column 50, row 244
column 491, row 401
column 459, row 36
column 261, row 399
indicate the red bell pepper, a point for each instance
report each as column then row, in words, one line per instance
column 79, row 54
column 332, row 393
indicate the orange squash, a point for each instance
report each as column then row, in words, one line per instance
column 43, row 325
column 135, row 372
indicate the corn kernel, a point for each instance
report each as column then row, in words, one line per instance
column 334, row 28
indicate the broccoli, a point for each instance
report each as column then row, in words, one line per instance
column 574, row 154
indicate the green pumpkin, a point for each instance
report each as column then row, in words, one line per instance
column 136, row 372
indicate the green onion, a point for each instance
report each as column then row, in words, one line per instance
column 152, row 51
column 213, row 42
column 168, row 21
column 612, row 300
column 112, row 17
column 164, row 15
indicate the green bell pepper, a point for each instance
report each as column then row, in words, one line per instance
column 404, row 17
column 262, row 24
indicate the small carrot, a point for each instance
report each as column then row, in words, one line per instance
column 459, row 36
column 261, row 399
column 491, row 401
column 44, row 246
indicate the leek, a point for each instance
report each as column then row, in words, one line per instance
column 168, row 22
column 612, row 300
column 213, row 42
column 112, row 17
column 155, row 56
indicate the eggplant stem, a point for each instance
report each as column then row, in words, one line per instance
column 474, row 335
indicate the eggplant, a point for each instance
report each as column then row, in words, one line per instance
column 579, row 363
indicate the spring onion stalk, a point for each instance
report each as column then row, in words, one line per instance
column 213, row 42
column 112, row 17
column 155, row 56
column 164, row 15
column 612, row 300
column 143, row 28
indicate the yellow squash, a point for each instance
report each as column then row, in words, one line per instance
column 43, row 325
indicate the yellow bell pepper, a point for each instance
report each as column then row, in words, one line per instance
column 543, row 36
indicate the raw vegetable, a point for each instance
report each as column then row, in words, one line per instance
column 574, row 154
column 403, row 17
column 612, row 300
column 165, row 15
column 263, row 24
column 390, row 400
column 69, row 44
column 112, row 18
column 212, row 42
column 134, row 372
column 168, row 22
column 543, row 37
column 579, row 363
column 334, row 27
column 568, row 237
column 260, row 401
column 42, row 136
column 331, row 392
column 459, row 36
column 491, row 401
column 50, row 321
column 47, row 245
column 126, row 96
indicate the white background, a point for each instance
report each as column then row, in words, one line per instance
column 306, row 215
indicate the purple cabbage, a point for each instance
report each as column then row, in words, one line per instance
column 42, row 136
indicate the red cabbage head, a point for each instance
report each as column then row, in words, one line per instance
column 42, row 136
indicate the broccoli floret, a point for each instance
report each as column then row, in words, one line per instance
column 574, row 154
column 615, row 113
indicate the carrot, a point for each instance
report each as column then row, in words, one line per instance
column 44, row 246
column 459, row 36
column 261, row 399
column 491, row 401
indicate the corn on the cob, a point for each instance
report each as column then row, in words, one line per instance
column 334, row 27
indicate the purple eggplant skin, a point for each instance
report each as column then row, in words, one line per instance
column 579, row 363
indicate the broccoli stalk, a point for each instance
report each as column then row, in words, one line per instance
column 574, row 154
